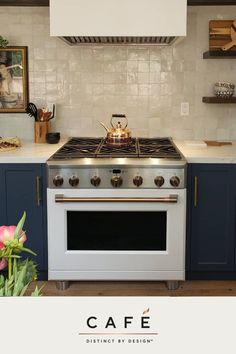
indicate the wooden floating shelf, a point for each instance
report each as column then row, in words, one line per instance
column 24, row 2
column 215, row 99
column 219, row 55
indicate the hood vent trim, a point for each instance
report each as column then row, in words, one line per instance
column 112, row 40
column 118, row 22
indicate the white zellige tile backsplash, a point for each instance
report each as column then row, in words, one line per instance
column 88, row 84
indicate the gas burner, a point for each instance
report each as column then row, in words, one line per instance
column 159, row 151
column 118, row 151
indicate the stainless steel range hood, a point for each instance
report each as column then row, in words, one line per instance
column 112, row 22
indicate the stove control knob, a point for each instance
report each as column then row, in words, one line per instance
column 116, row 181
column 159, row 181
column 58, row 181
column 175, row 181
column 138, row 180
column 95, row 181
column 74, row 181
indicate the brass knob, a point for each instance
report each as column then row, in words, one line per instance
column 95, row 181
column 174, row 181
column 58, row 181
column 138, row 180
column 116, row 181
column 74, row 181
column 159, row 181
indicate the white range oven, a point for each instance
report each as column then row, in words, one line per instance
column 116, row 219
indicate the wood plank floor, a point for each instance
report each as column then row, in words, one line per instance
column 187, row 288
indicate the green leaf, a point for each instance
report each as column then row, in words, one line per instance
column 8, row 287
column 22, row 272
column 24, row 290
column 17, row 284
column 37, row 291
column 19, row 226
column 24, row 249
column 2, row 281
column 31, row 271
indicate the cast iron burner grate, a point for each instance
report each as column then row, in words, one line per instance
column 85, row 141
column 97, row 147
column 158, row 148
column 162, row 151
column 154, row 141
column 78, row 147
column 73, row 151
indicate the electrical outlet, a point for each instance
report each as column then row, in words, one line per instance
column 184, row 109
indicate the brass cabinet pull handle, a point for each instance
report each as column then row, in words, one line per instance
column 38, row 191
column 170, row 199
column 195, row 202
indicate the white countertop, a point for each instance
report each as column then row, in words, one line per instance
column 197, row 153
column 194, row 152
column 30, row 152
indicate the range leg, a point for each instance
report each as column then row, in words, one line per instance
column 62, row 285
column 172, row 284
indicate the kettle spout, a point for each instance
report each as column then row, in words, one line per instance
column 104, row 126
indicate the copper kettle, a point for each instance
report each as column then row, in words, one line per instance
column 118, row 135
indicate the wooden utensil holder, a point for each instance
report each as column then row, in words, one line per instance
column 40, row 131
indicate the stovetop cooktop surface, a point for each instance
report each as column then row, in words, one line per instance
column 97, row 147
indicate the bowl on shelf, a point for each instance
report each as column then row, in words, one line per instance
column 224, row 89
column 53, row 138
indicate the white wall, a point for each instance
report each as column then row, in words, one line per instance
column 148, row 84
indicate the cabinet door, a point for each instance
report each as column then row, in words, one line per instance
column 2, row 197
column 24, row 185
column 211, row 204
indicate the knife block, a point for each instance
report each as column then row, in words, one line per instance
column 40, row 131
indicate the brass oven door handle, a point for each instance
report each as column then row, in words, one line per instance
column 60, row 198
column 195, row 199
column 38, row 191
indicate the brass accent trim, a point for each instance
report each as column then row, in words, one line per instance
column 38, row 191
column 170, row 199
column 195, row 201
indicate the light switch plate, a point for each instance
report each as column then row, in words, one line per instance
column 184, row 109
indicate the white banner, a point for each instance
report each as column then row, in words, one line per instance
column 117, row 325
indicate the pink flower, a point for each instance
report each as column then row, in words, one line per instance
column 3, row 263
column 7, row 234
column 1, row 245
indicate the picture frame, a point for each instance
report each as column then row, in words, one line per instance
column 14, row 91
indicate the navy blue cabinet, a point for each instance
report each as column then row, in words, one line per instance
column 23, row 188
column 211, row 221
column 211, row 2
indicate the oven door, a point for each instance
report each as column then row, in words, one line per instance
column 116, row 234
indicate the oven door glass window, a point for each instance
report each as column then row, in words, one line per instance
column 117, row 230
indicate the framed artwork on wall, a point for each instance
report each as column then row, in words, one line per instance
column 14, row 91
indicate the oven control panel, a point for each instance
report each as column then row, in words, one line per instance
column 113, row 177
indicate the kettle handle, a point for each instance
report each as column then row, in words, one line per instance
column 119, row 116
